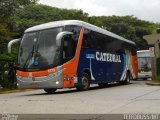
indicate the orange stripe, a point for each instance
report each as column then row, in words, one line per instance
column 37, row 73
column 134, row 63
column 72, row 66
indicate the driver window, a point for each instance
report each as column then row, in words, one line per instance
column 70, row 42
column 68, row 48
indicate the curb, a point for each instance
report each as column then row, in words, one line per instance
column 15, row 91
column 153, row 83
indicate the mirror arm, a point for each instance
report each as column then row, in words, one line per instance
column 60, row 36
column 11, row 43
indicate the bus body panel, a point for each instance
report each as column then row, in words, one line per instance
column 102, row 70
column 66, row 75
column 70, row 68
column 134, row 64
column 37, row 73
column 51, row 78
column 103, row 66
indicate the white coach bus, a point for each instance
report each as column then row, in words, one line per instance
column 144, row 64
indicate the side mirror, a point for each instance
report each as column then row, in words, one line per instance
column 11, row 43
column 60, row 36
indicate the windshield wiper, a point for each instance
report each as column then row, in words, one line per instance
column 29, row 56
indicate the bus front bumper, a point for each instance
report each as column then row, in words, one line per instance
column 145, row 75
column 54, row 80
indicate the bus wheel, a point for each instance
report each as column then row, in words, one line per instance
column 102, row 85
column 144, row 78
column 50, row 90
column 127, row 79
column 85, row 82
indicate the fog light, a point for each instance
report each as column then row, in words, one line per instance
column 57, row 82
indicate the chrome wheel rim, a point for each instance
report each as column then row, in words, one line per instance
column 85, row 82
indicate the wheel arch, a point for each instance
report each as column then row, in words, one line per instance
column 87, row 71
column 129, row 73
column 79, row 85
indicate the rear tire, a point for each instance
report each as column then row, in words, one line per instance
column 85, row 82
column 127, row 79
column 50, row 90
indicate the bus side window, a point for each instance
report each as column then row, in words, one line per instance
column 86, row 43
column 110, row 44
column 98, row 41
column 92, row 43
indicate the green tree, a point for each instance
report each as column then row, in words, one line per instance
column 7, row 11
column 129, row 27
column 35, row 14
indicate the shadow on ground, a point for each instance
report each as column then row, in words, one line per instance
column 74, row 90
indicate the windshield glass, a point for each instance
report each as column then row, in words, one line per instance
column 39, row 49
column 144, row 64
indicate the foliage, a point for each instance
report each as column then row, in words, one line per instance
column 158, row 78
column 4, row 89
column 129, row 27
column 7, row 11
column 32, row 15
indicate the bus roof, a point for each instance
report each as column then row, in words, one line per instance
column 78, row 23
column 144, row 53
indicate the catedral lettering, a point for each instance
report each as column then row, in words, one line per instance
column 73, row 53
column 100, row 56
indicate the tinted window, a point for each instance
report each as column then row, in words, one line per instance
column 75, row 29
column 39, row 49
column 100, row 41
column 70, row 42
column 86, row 39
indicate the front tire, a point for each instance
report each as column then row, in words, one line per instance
column 85, row 82
column 50, row 90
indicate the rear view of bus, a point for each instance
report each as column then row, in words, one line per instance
column 144, row 64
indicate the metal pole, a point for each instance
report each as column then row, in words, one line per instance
column 153, row 69
column 157, row 54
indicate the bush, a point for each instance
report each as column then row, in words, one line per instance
column 158, row 78
column 7, row 76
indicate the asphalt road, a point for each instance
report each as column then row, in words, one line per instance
column 136, row 97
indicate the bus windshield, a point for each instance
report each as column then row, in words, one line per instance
column 144, row 60
column 39, row 49
column 144, row 64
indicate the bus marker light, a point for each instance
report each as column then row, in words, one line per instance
column 68, row 78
